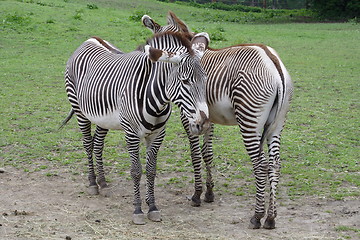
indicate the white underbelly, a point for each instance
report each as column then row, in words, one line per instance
column 108, row 121
column 222, row 112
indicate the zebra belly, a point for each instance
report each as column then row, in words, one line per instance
column 222, row 112
column 108, row 121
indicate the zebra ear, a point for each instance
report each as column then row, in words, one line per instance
column 172, row 19
column 199, row 43
column 149, row 23
column 155, row 55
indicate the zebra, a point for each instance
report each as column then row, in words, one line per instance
column 133, row 92
column 248, row 85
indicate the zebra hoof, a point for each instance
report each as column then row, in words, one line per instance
column 195, row 200
column 105, row 192
column 209, row 197
column 254, row 223
column 139, row 219
column 93, row 190
column 195, row 204
column 154, row 216
column 269, row 223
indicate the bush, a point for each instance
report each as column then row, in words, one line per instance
column 92, row 6
column 137, row 15
column 336, row 9
column 16, row 18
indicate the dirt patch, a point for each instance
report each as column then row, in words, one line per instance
column 34, row 206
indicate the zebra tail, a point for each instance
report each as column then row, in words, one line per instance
column 275, row 109
column 67, row 119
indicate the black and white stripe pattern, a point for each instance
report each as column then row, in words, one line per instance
column 132, row 92
column 249, row 86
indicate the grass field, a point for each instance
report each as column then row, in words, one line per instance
column 320, row 144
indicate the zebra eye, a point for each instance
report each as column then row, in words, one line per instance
column 185, row 81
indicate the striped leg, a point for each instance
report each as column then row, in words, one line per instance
column 153, row 144
column 260, row 167
column 260, row 171
column 85, row 128
column 274, row 175
column 196, row 161
column 99, row 136
column 207, row 154
column 133, row 143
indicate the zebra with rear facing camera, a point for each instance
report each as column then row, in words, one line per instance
column 132, row 92
column 248, row 85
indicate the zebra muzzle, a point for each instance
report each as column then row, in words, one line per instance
column 201, row 125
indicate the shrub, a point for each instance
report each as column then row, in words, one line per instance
column 336, row 9
column 137, row 15
column 92, row 6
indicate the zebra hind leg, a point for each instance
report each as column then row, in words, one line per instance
column 274, row 175
column 153, row 144
column 207, row 155
column 99, row 136
column 85, row 127
column 260, row 166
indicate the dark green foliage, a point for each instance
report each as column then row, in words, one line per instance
column 16, row 19
column 336, row 9
column 247, row 5
column 237, row 13
column 92, row 6
column 222, row 6
column 78, row 15
column 217, row 35
column 137, row 15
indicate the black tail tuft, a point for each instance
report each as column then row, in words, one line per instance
column 66, row 120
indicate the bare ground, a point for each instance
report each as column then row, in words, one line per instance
column 34, row 206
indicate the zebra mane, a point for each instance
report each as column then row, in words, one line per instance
column 182, row 38
column 107, row 45
column 175, row 21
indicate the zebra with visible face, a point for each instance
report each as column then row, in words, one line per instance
column 132, row 92
column 248, row 85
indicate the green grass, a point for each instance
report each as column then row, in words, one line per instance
column 346, row 228
column 320, row 144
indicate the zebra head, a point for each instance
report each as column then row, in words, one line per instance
column 186, row 82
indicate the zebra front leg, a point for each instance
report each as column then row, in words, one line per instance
column 133, row 148
column 99, row 136
column 153, row 144
column 207, row 154
column 274, row 176
column 85, row 128
column 196, row 161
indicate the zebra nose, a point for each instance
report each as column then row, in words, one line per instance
column 200, row 126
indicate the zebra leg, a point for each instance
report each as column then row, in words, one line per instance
column 99, row 136
column 274, row 175
column 207, row 154
column 153, row 144
column 133, row 143
column 252, row 137
column 196, row 161
column 260, row 166
column 85, row 127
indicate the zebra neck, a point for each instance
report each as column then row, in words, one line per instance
column 155, row 99
column 154, row 105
